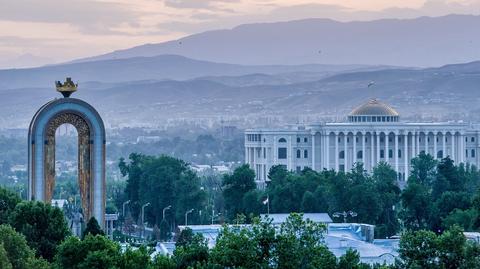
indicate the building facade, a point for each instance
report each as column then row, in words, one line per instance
column 372, row 133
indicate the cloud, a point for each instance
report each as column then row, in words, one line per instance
column 197, row 4
column 88, row 16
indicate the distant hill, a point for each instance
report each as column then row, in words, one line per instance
column 422, row 41
column 161, row 67
column 450, row 92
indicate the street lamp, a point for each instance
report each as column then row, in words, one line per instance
column 186, row 216
column 163, row 211
column 344, row 214
column 124, row 204
column 143, row 218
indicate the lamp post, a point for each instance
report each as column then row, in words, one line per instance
column 143, row 218
column 163, row 211
column 344, row 214
column 124, row 204
column 186, row 216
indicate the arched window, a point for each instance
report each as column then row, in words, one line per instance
column 440, row 154
column 360, row 155
column 282, row 140
column 341, row 154
column 390, row 153
column 305, row 140
column 473, row 153
column 299, row 154
column 305, row 154
column 298, row 139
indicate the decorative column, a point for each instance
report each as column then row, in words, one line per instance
column 395, row 153
column 435, row 145
column 444, row 145
column 247, row 161
column 327, row 148
column 372, row 150
column 462, row 148
column 414, row 134
column 426, row 142
column 417, row 143
column 345, row 150
column 454, row 158
column 378, row 148
column 387, row 155
column 354, row 159
column 405, row 154
column 313, row 151
column 364, row 158
column 336, row 151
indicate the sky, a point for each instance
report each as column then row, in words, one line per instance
column 36, row 32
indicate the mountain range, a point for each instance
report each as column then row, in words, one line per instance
column 422, row 42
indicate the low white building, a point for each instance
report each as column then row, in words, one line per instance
column 371, row 133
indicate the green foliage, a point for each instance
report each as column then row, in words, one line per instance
column 8, row 201
column 425, row 249
column 191, row 252
column 93, row 228
column 43, row 225
column 135, row 259
column 235, row 187
column 162, row 181
column 351, row 260
column 92, row 252
column 15, row 252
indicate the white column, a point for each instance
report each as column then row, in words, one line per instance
column 454, row 158
column 336, row 152
column 435, row 145
column 444, row 144
column 405, row 155
column 372, row 150
column 387, row 157
column 414, row 147
column 313, row 152
column 395, row 153
column 327, row 147
column 247, row 161
column 345, row 150
column 417, row 143
column 354, row 159
column 364, row 154
column 462, row 148
column 378, row 148
column 426, row 142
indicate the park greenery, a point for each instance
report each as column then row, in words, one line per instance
column 439, row 201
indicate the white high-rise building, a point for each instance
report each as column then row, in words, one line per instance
column 371, row 133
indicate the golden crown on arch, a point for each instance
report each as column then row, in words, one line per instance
column 66, row 88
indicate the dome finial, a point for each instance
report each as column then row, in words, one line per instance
column 67, row 88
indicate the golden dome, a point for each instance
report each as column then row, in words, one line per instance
column 374, row 108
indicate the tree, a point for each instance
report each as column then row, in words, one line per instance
column 92, row 228
column 43, row 225
column 8, row 201
column 15, row 251
column 423, row 169
column 192, row 252
column 4, row 261
column 135, row 259
column 93, row 252
column 416, row 201
column 235, row 186
column 351, row 260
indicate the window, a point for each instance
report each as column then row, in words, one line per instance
column 305, row 140
column 382, row 139
column 360, row 155
column 264, row 153
column 473, row 153
column 473, row 139
column 299, row 153
column 399, row 153
column 305, row 154
column 341, row 154
column 282, row 140
column 382, row 153
column 440, row 154
column 466, row 139
column 282, row 153
column 356, row 139
column 390, row 153
column 466, row 153
column 348, row 140
column 298, row 139
column 298, row 169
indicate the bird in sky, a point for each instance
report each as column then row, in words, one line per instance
column 370, row 84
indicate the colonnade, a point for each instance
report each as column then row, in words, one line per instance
column 393, row 147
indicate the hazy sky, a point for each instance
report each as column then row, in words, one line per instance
column 38, row 32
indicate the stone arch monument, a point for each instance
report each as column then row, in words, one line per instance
column 91, row 151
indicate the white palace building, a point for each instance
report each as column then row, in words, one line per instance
column 371, row 133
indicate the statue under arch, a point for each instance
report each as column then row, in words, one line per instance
column 91, row 151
